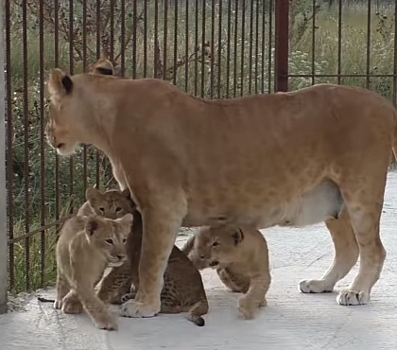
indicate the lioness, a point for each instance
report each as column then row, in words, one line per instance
column 236, row 251
column 257, row 160
column 86, row 246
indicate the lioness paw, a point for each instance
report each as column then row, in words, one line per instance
column 135, row 309
column 352, row 297
column 315, row 286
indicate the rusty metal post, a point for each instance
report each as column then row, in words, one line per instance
column 3, row 194
column 281, row 45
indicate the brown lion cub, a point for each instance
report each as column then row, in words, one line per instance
column 240, row 256
column 86, row 246
column 111, row 204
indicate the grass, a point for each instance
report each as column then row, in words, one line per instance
column 245, row 66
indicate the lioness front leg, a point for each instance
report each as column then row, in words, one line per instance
column 159, row 234
column 96, row 308
column 255, row 297
column 346, row 255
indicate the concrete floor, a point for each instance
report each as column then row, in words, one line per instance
column 292, row 320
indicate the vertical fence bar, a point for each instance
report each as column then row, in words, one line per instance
column 174, row 70
column 98, row 55
column 203, row 48
column 196, row 38
column 212, row 58
column 71, row 70
column 314, row 43
column 235, row 47
column 43, row 211
column 219, row 49
column 26, row 143
column 368, row 63
column 10, row 153
column 256, row 76
column 156, row 39
column 144, row 38
column 270, row 43
column 229, row 30
column 3, row 194
column 339, row 40
column 187, row 45
column 165, row 40
column 242, row 77
column 251, row 47
column 134, row 41
column 122, row 40
column 84, row 33
column 281, row 45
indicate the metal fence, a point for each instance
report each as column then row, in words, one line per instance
column 210, row 48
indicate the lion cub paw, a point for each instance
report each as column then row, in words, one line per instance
column 247, row 308
column 352, row 297
column 106, row 322
column 72, row 307
column 135, row 309
column 314, row 286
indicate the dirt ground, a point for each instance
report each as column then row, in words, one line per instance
column 292, row 320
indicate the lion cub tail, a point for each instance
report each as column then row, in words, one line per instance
column 197, row 310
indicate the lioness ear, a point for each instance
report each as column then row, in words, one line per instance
column 91, row 194
column 126, row 222
column 59, row 83
column 103, row 67
column 238, row 236
column 91, row 226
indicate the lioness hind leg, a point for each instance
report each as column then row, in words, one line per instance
column 364, row 203
column 346, row 255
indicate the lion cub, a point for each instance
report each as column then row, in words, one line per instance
column 111, row 204
column 183, row 287
column 240, row 256
column 86, row 246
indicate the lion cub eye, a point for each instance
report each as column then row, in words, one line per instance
column 109, row 241
column 102, row 209
column 215, row 244
column 124, row 240
column 118, row 209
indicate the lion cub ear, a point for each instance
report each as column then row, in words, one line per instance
column 103, row 67
column 92, row 194
column 91, row 226
column 238, row 236
column 126, row 222
column 59, row 83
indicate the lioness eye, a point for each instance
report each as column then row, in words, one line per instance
column 118, row 209
column 102, row 209
column 109, row 241
column 215, row 244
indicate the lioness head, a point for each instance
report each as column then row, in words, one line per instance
column 112, row 204
column 216, row 246
column 67, row 108
column 109, row 237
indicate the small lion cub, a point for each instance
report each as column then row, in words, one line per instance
column 240, row 256
column 86, row 246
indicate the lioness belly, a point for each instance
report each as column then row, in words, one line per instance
column 313, row 206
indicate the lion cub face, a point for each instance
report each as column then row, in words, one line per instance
column 216, row 246
column 109, row 237
column 110, row 204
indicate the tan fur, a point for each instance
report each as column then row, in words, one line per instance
column 86, row 246
column 256, row 160
column 236, row 251
column 231, row 279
